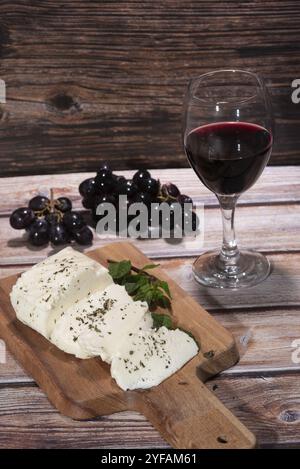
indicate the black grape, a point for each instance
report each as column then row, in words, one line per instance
column 149, row 185
column 141, row 176
column 21, row 218
column 106, row 167
column 39, row 232
column 38, row 203
column 105, row 198
column 63, row 204
column 119, row 179
column 58, row 234
column 88, row 188
column 88, row 202
column 83, row 235
column 127, row 187
column 52, row 218
column 104, row 181
column 184, row 199
column 73, row 220
column 170, row 189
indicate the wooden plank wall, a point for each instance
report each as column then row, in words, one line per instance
column 92, row 80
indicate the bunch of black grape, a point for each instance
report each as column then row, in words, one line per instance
column 51, row 220
column 107, row 187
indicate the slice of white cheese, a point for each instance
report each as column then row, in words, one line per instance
column 98, row 325
column 46, row 290
column 151, row 356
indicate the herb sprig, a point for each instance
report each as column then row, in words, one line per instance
column 143, row 286
column 140, row 284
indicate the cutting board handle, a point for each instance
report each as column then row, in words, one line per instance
column 188, row 415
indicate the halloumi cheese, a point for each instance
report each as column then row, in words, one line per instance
column 72, row 301
column 150, row 356
column 45, row 291
column 98, row 324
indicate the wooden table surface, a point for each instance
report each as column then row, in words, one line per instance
column 262, row 390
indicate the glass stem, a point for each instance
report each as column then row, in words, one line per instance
column 229, row 254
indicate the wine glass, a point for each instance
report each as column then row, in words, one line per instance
column 227, row 135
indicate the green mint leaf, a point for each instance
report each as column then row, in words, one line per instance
column 165, row 287
column 144, row 293
column 119, row 269
column 135, row 278
column 150, row 266
column 160, row 320
column 164, row 302
column 141, row 285
column 131, row 287
column 149, row 297
column 142, row 280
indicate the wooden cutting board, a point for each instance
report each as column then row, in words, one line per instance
column 183, row 410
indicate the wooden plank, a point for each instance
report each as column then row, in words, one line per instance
column 276, row 185
column 113, row 83
column 252, row 225
column 269, row 406
column 280, row 289
column 11, row 270
column 267, row 340
column 28, row 420
column 11, row 371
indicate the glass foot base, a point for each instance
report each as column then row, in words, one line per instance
column 251, row 269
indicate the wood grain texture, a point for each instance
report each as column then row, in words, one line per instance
column 273, row 201
column 276, row 185
column 252, row 226
column 88, row 80
column 82, row 389
column 282, row 284
column 265, row 338
column 269, row 406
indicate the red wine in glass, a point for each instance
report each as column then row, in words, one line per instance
column 228, row 157
column 227, row 135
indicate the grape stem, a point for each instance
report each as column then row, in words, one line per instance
column 51, row 200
